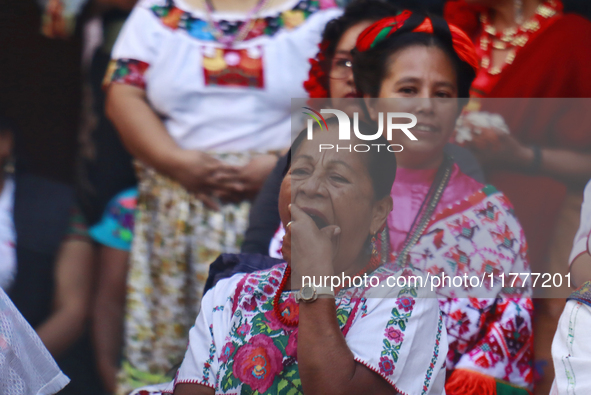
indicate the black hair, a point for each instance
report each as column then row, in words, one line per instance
column 381, row 163
column 370, row 67
column 357, row 11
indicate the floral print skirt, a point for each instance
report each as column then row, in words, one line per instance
column 175, row 239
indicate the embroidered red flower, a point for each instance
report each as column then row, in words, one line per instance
column 386, row 366
column 289, row 309
column 405, row 303
column 250, row 304
column 395, row 335
column 257, row 363
column 227, row 351
column 243, row 329
column 292, row 344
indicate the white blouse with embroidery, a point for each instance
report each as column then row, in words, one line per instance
column 212, row 97
column 238, row 345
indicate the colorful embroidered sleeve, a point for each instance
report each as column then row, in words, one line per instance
column 115, row 229
column 136, row 48
column 401, row 337
column 206, row 338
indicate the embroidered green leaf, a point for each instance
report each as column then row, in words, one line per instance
column 292, row 391
column 391, row 322
column 413, row 292
column 282, row 384
column 228, row 379
column 394, row 356
column 402, row 325
column 341, row 318
column 387, row 343
column 395, row 312
column 291, row 373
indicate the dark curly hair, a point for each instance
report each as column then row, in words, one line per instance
column 357, row 11
column 370, row 67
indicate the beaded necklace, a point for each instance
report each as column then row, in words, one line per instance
column 218, row 33
column 513, row 38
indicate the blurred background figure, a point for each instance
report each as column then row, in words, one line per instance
column 200, row 94
column 571, row 348
column 48, row 275
column 114, row 234
column 531, row 49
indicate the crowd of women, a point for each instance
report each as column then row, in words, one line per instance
column 231, row 209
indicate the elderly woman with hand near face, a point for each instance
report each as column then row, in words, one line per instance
column 264, row 333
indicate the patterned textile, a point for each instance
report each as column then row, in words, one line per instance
column 571, row 348
column 175, row 18
column 582, row 294
column 115, row 228
column 175, row 239
column 26, row 367
column 489, row 327
column 126, row 71
column 239, row 346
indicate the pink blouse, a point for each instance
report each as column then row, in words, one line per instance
column 409, row 190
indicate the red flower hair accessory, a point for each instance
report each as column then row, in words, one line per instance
column 387, row 27
column 317, row 83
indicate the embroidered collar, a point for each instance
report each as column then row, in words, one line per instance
column 176, row 18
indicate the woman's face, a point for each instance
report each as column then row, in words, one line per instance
column 341, row 83
column 334, row 189
column 424, row 79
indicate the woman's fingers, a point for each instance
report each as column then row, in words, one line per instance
column 208, row 201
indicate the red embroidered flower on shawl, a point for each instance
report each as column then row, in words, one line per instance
column 257, row 363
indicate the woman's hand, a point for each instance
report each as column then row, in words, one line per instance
column 494, row 146
column 200, row 172
column 311, row 250
column 247, row 180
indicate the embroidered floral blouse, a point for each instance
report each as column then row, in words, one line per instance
column 239, row 346
column 473, row 232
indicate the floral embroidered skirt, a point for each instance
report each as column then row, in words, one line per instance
column 175, row 239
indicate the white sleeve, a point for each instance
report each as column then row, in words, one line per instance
column 571, row 350
column 582, row 242
column 141, row 35
column 137, row 46
column 402, row 339
column 26, row 367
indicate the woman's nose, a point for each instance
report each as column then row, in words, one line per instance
column 424, row 105
column 313, row 186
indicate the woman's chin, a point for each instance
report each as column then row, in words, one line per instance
column 420, row 154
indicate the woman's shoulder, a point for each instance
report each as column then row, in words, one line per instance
column 571, row 23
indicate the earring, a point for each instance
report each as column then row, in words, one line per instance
column 375, row 260
column 373, row 242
